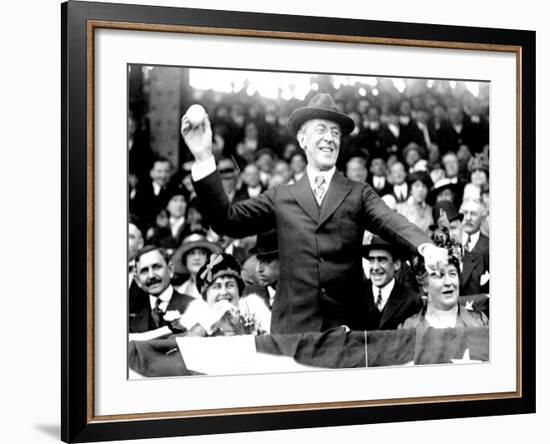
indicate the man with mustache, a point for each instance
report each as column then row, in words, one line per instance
column 388, row 302
column 320, row 221
column 153, row 271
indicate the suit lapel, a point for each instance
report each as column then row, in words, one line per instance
column 394, row 302
column 470, row 259
column 305, row 198
column 468, row 266
column 338, row 189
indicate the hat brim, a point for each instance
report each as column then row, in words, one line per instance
column 179, row 255
column 260, row 252
column 432, row 195
column 267, row 254
column 302, row 115
column 396, row 252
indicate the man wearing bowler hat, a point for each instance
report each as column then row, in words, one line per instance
column 388, row 302
column 267, row 268
column 320, row 221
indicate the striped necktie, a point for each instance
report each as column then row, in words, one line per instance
column 379, row 300
column 320, row 188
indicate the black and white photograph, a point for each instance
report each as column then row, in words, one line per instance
column 301, row 222
column 274, row 221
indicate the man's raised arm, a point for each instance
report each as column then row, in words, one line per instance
column 241, row 219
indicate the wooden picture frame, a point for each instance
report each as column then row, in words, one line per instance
column 80, row 20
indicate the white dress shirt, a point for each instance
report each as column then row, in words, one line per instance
column 254, row 191
column 165, row 297
column 473, row 240
column 156, row 188
column 197, row 312
column 378, row 181
column 386, row 291
column 312, row 173
column 176, row 224
column 401, row 191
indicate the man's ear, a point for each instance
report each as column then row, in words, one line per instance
column 171, row 269
column 300, row 136
column 396, row 264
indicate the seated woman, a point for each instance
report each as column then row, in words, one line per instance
column 441, row 286
column 221, row 286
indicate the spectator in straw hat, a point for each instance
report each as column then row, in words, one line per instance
column 320, row 220
column 194, row 252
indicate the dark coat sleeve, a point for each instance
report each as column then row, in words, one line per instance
column 240, row 219
column 390, row 225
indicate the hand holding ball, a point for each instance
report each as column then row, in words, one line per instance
column 195, row 115
column 197, row 133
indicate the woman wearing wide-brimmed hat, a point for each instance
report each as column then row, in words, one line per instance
column 416, row 210
column 193, row 253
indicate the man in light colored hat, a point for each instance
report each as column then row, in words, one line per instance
column 320, row 221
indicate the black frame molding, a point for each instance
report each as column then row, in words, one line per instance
column 79, row 19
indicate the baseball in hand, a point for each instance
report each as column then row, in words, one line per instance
column 195, row 114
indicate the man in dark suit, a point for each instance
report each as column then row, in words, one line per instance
column 252, row 185
column 474, row 278
column 400, row 188
column 161, row 302
column 377, row 178
column 152, row 196
column 320, row 221
column 388, row 302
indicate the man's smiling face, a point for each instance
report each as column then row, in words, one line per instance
column 320, row 139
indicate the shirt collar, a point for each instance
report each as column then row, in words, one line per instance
column 386, row 291
column 156, row 188
column 379, row 181
column 402, row 188
column 474, row 237
column 313, row 172
column 271, row 292
column 165, row 297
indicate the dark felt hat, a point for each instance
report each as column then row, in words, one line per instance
column 176, row 190
column 377, row 243
column 450, row 210
column 422, row 176
column 439, row 186
column 322, row 106
column 266, row 245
